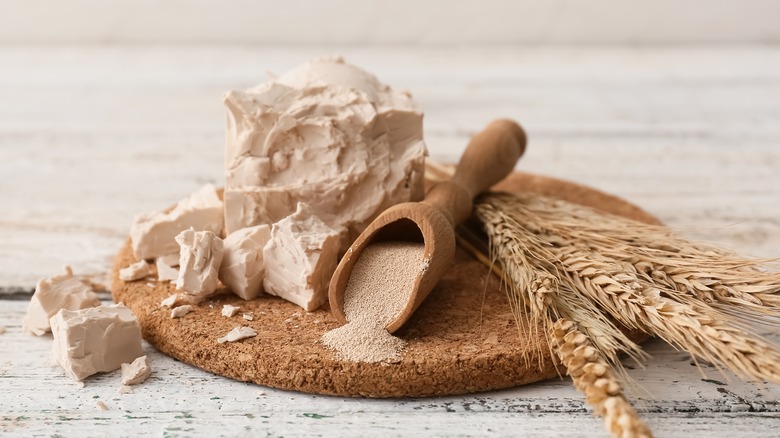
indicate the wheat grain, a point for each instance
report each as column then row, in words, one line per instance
column 592, row 376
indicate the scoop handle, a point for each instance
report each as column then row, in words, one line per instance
column 489, row 157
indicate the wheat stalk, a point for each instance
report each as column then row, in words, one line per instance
column 592, row 376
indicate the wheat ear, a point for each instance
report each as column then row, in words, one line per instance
column 601, row 271
column 593, row 377
column 535, row 293
column 677, row 265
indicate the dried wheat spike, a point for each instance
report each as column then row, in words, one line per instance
column 647, row 279
column 682, row 267
column 594, row 378
column 536, row 295
column 692, row 326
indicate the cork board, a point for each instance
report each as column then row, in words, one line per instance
column 463, row 339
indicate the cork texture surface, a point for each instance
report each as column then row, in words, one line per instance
column 463, row 339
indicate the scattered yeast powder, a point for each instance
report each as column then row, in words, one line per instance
column 377, row 291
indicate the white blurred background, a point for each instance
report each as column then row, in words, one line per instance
column 397, row 22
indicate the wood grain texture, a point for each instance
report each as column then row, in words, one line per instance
column 180, row 400
column 89, row 136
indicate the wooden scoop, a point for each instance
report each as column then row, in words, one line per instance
column 488, row 158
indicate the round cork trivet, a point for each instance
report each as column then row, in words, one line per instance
column 463, row 339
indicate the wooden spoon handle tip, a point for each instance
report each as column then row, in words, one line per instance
column 490, row 156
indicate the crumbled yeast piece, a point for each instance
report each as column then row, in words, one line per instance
column 136, row 271
column 53, row 294
column 199, row 260
column 124, row 389
column 229, row 311
column 237, row 334
column 165, row 270
column 242, row 267
column 98, row 339
column 248, row 317
column 170, row 301
column 178, row 312
column 101, row 406
column 328, row 134
column 136, row 371
column 153, row 234
column 300, row 259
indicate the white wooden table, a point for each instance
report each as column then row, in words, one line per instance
column 89, row 136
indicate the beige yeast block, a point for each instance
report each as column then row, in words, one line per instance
column 98, row 339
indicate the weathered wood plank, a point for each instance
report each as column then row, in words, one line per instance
column 182, row 400
column 255, row 421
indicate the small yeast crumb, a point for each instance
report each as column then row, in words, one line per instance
column 229, row 311
column 178, row 312
column 170, row 301
column 124, row 389
column 237, row 334
column 137, row 371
